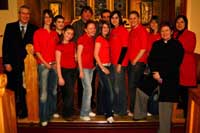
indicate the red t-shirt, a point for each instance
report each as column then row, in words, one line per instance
column 45, row 43
column 152, row 38
column 137, row 41
column 87, row 55
column 118, row 39
column 67, row 55
column 104, row 52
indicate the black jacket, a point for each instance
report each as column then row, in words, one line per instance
column 14, row 46
column 166, row 58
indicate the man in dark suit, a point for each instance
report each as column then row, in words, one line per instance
column 16, row 36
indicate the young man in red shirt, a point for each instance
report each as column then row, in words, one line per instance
column 137, row 55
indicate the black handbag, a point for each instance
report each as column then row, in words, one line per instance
column 153, row 101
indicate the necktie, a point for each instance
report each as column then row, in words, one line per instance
column 22, row 31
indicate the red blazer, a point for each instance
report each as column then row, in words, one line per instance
column 188, row 74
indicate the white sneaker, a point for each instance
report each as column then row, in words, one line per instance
column 110, row 119
column 85, row 118
column 149, row 114
column 44, row 123
column 91, row 114
column 115, row 115
column 56, row 115
column 130, row 114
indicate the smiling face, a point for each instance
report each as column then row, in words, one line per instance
column 47, row 19
column 166, row 33
column 134, row 20
column 59, row 24
column 91, row 29
column 68, row 35
column 180, row 24
column 154, row 25
column 24, row 15
column 105, row 29
column 115, row 20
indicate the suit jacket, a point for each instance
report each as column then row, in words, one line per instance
column 14, row 45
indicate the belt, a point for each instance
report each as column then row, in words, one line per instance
column 50, row 63
column 107, row 64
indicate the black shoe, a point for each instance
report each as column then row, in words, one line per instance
column 23, row 115
column 68, row 118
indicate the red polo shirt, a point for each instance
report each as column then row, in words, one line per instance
column 137, row 41
column 45, row 43
column 104, row 52
column 118, row 39
column 67, row 55
column 87, row 55
column 151, row 39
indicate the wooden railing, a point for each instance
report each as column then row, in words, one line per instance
column 7, row 108
column 193, row 119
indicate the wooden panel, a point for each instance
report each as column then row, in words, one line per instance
column 193, row 119
column 7, row 108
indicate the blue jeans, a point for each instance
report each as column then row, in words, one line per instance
column 135, row 74
column 119, row 89
column 106, row 87
column 87, row 92
column 47, row 92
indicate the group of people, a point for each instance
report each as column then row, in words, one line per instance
column 108, row 48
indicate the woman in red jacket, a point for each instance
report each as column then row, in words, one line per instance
column 188, row 41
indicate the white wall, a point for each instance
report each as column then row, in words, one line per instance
column 7, row 16
column 193, row 11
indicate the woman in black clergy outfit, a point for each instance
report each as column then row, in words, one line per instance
column 164, row 60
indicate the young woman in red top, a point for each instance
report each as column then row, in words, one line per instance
column 45, row 41
column 85, row 56
column 188, row 72
column 118, row 47
column 154, row 33
column 66, row 69
column 102, row 56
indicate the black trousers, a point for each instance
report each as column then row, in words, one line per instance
column 67, row 90
column 183, row 99
column 15, row 83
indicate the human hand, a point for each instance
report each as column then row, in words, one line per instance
column 8, row 67
column 61, row 81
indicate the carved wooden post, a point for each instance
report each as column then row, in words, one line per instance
column 31, row 84
column 8, row 123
